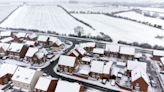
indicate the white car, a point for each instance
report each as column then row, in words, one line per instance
column 113, row 83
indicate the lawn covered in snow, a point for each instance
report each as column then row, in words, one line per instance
column 44, row 18
column 5, row 10
column 120, row 29
column 140, row 17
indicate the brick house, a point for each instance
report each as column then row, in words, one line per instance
column 157, row 54
column 31, row 37
column 43, row 40
column 3, row 48
column 107, row 70
column 127, row 53
column 19, row 37
column 112, row 50
column 99, row 51
column 5, row 34
column 55, row 42
column 86, row 60
column 81, row 51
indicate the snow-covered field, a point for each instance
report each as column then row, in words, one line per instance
column 120, row 29
column 5, row 10
column 139, row 17
column 44, row 18
column 94, row 8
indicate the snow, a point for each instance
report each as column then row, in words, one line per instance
column 7, row 69
column 88, row 44
column 30, row 43
column 81, row 51
column 84, row 69
column 5, row 33
column 15, row 47
column 139, row 17
column 67, row 60
column 43, row 38
column 86, row 59
column 127, row 50
column 63, row 86
column 24, row 75
column 8, row 39
column 75, row 53
column 41, row 53
column 55, row 40
column 98, row 51
column 4, row 46
column 158, row 53
column 132, row 65
column 112, row 48
column 107, row 67
column 43, row 83
column 32, row 36
column 120, row 29
column 20, row 35
column 31, row 51
column 162, row 60
column 44, row 18
column 97, row 66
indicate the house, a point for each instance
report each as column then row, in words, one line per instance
column 30, row 54
column 88, row 46
column 99, row 51
column 157, row 54
column 64, row 86
column 127, row 53
column 67, row 63
column 6, row 72
column 86, row 60
column 162, row 62
column 5, row 34
column 46, row 84
column 43, row 40
column 17, row 50
column 3, row 48
column 25, row 79
column 74, row 53
column 131, row 65
column 81, row 51
column 40, row 56
column 31, row 37
column 7, row 40
column 107, row 70
column 55, row 42
column 140, row 80
column 19, row 37
column 96, row 70
column 30, row 43
column 112, row 50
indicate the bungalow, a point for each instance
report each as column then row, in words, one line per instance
column 25, row 79
column 6, row 72
column 67, row 63
column 45, row 85
column 99, row 51
column 81, row 51
column 43, row 40
column 140, row 80
column 31, row 37
column 19, row 37
column 40, row 56
column 157, row 54
column 162, row 62
column 7, row 40
column 17, row 50
column 30, row 54
column 131, row 65
column 74, row 53
column 5, row 34
column 64, row 86
column 55, row 42
column 31, row 43
column 107, row 70
column 86, row 60
column 112, row 50
column 3, row 48
column 96, row 70
column 127, row 53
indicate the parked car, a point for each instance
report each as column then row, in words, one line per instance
column 153, row 84
column 104, row 81
column 113, row 83
column 161, row 72
column 5, row 57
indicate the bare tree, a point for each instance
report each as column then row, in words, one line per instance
column 79, row 31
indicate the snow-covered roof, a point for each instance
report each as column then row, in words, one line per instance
column 32, row 36
column 7, row 69
column 43, row 38
column 24, row 75
column 127, row 50
column 138, row 55
column 20, row 35
column 97, row 66
column 81, row 51
column 15, row 47
column 87, row 59
column 64, row 86
column 75, row 53
column 88, row 44
column 137, row 73
column 112, row 48
column 162, row 60
column 5, row 33
column 98, row 51
column 55, row 40
column 107, row 67
column 67, row 60
column 131, row 65
column 41, row 53
column 158, row 53
column 4, row 46
column 8, row 39
column 121, row 63
column 43, row 83
column 30, row 43
column 31, row 51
